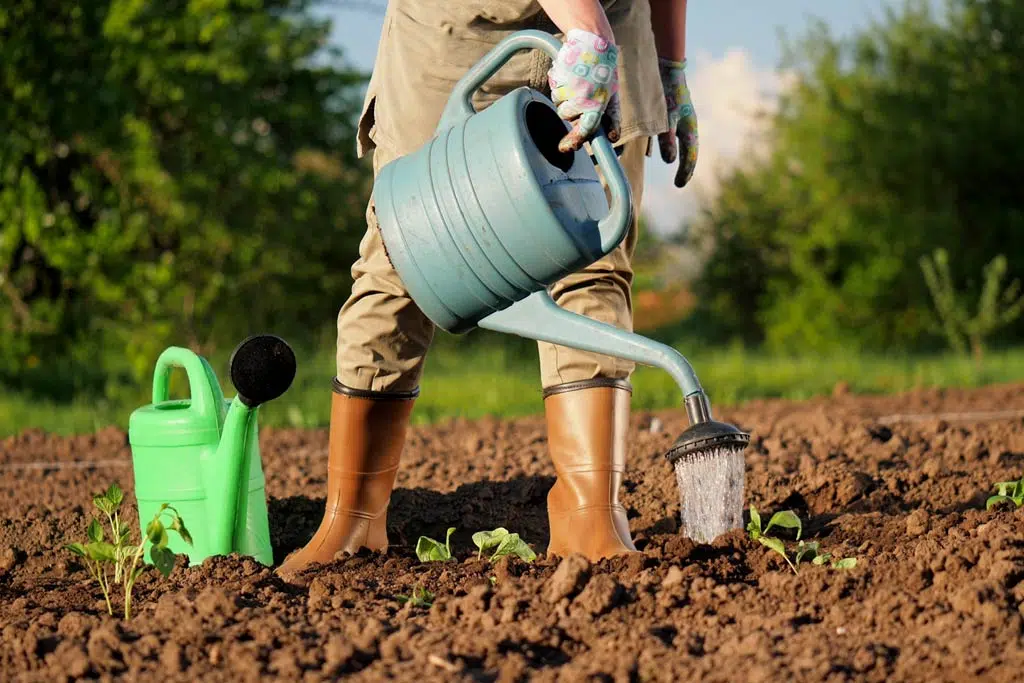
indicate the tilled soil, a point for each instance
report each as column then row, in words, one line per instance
column 936, row 594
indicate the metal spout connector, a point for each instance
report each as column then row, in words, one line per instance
column 698, row 409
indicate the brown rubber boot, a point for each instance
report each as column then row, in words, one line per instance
column 367, row 434
column 587, row 423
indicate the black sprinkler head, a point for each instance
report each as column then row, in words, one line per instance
column 704, row 437
column 262, row 368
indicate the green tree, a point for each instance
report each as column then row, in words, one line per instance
column 896, row 142
column 170, row 172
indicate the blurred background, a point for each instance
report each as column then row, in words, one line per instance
column 184, row 173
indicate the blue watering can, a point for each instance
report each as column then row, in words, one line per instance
column 480, row 220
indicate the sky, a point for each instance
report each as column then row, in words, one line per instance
column 733, row 56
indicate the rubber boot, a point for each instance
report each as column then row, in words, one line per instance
column 367, row 434
column 587, row 424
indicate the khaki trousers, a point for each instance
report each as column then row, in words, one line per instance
column 383, row 337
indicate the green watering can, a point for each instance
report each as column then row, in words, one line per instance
column 486, row 215
column 201, row 454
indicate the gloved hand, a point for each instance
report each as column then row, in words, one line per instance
column 682, row 121
column 584, row 85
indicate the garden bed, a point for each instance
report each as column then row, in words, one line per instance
column 936, row 593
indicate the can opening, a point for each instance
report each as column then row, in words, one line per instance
column 546, row 129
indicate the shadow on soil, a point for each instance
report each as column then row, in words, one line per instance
column 519, row 505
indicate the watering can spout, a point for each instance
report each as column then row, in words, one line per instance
column 227, row 475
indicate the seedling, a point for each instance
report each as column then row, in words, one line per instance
column 505, row 544
column 786, row 519
column 811, row 550
column 429, row 550
column 1007, row 492
column 420, row 597
column 789, row 520
column 98, row 553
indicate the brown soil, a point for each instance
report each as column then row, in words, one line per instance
column 936, row 596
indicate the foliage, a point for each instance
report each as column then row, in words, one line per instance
column 996, row 308
column 429, row 550
column 169, row 172
column 420, row 597
column 889, row 145
column 1007, row 492
column 788, row 519
column 504, row 543
column 119, row 554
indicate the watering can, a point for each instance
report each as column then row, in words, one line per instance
column 201, row 454
column 486, row 215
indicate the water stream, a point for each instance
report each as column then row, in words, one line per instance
column 711, row 493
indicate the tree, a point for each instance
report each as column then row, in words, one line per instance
column 173, row 172
column 892, row 144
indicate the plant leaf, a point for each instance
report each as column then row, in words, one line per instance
column 513, row 545
column 996, row 500
column 429, row 550
column 103, row 504
column 786, row 519
column 821, row 559
column 178, row 525
column 77, row 549
column 447, row 540
column 485, row 540
column 163, row 559
column 845, row 563
column 101, row 552
column 114, row 495
column 95, row 531
column 773, row 543
column 156, row 533
column 1003, row 487
column 755, row 522
column 806, row 549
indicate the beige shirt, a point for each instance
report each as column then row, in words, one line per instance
column 426, row 46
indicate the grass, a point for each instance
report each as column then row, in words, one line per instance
column 472, row 380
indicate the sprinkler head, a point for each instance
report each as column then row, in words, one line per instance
column 705, row 437
column 704, row 434
column 262, row 368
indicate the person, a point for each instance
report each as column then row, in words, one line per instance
column 623, row 60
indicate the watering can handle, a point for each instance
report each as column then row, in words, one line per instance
column 613, row 227
column 201, row 392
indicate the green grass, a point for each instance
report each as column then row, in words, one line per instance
column 473, row 380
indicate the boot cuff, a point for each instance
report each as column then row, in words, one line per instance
column 340, row 388
column 588, row 384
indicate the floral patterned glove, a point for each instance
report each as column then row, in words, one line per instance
column 682, row 120
column 584, row 85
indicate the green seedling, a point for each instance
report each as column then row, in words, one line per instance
column 786, row 519
column 505, row 543
column 1007, row 492
column 429, row 550
column 420, row 597
column 810, row 550
column 116, row 561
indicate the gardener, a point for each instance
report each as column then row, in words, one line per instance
column 625, row 62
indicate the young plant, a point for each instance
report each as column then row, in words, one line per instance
column 997, row 307
column 505, row 544
column 420, row 597
column 1007, row 492
column 811, row 550
column 785, row 519
column 116, row 561
column 429, row 550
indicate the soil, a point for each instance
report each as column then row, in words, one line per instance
column 936, row 595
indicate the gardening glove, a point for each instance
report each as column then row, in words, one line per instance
column 584, row 86
column 682, row 121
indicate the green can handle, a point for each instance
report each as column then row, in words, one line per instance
column 200, row 390
column 613, row 227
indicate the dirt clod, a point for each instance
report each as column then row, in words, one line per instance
column 568, row 579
